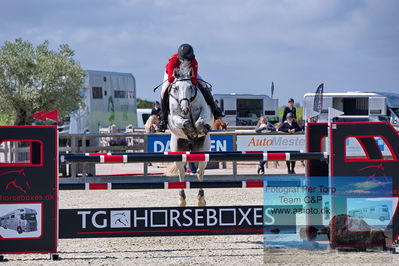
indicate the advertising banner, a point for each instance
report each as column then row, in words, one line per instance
column 28, row 189
column 278, row 142
column 219, row 143
column 166, row 221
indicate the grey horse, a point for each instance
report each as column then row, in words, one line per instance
column 189, row 120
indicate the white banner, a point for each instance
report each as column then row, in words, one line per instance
column 280, row 142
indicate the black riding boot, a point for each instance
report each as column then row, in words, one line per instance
column 217, row 113
column 163, row 124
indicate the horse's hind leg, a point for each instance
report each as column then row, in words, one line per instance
column 201, row 198
column 206, row 146
column 182, row 198
column 200, row 176
column 182, row 173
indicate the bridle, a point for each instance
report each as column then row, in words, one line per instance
column 184, row 99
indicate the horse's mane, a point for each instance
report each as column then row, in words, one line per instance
column 184, row 70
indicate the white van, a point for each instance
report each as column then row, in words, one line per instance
column 109, row 98
column 380, row 212
column 357, row 106
column 142, row 116
column 245, row 109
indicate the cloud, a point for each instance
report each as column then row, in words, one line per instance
column 241, row 45
column 370, row 185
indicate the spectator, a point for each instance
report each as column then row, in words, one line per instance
column 263, row 126
column 156, row 109
column 219, row 109
column 289, row 109
column 152, row 124
column 277, row 127
column 290, row 126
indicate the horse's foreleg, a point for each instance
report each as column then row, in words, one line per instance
column 179, row 121
column 204, row 122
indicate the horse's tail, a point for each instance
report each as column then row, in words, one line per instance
column 171, row 170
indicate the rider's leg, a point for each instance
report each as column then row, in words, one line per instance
column 163, row 124
column 217, row 114
column 210, row 101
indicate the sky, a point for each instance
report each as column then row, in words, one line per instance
column 241, row 46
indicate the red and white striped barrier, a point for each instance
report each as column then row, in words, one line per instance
column 191, row 157
column 164, row 185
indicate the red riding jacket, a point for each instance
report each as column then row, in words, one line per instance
column 174, row 63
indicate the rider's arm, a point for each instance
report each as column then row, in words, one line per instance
column 170, row 67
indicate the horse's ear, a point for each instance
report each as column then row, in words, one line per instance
column 227, row 123
column 191, row 72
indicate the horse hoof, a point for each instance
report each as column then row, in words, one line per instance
column 182, row 202
column 201, row 202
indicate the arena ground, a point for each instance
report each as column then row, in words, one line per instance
column 187, row 250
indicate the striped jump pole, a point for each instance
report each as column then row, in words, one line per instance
column 182, row 152
column 190, row 157
column 164, row 185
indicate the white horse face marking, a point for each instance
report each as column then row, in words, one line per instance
column 183, row 91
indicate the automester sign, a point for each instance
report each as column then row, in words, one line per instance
column 283, row 142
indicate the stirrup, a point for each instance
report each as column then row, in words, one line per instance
column 162, row 126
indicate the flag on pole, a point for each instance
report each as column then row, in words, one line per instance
column 318, row 100
column 272, row 89
column 43, row 115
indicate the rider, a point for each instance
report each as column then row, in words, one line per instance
column 185, row 55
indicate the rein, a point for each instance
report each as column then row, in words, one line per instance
column 189, row 100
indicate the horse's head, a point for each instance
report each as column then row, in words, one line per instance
column 219, row 124
column 183, row 91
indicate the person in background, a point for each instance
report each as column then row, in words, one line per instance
column 156, row 109
column 277, row 127
column 289, row 109
column 152, row 124
column 290, row 126
column 219, row 110
column 263, row 126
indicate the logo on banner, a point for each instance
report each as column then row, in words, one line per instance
column 120, row 219
column 15, row 179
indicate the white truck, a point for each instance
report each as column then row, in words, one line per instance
column 245, row 109
column 380, row 212
column 356, row 106
column 20, row 220
column 109, row 98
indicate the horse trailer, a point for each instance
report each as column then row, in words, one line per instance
column 109, row 98
column 20, row 220
column 245, row 109
column 380, row 212
column 356, row 106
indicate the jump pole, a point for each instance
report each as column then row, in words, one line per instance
column 188, row 157
column 164, row 185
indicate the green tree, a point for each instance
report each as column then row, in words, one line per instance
column 37, row 78
column 142, row 103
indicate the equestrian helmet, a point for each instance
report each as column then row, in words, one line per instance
column 186, row 52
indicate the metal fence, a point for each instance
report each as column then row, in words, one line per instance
column 131, row 142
